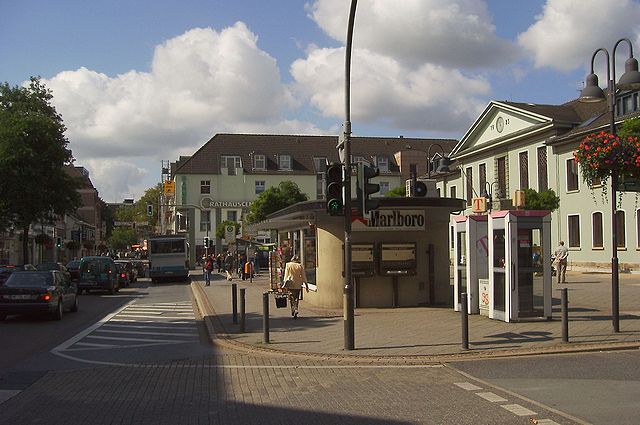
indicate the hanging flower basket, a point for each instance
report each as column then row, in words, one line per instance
column 602, row 154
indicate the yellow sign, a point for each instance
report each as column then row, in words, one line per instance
column 169, row 186
column 479, row 205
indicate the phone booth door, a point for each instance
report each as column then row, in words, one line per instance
column 529, row 290
column 498, row 270
column 460, row 276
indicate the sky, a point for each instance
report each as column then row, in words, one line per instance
column 139, row 82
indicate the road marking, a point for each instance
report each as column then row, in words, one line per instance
column 194, row 332
column 178, row 321
column 546, row 422
column 516, row 409
column 89, row 344
column 115, row 338
column 7, row 394
column 136, row 316
column 467, row 386
column 174, row 327
column 492, row 397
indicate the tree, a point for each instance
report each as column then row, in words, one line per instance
column 122, row 239
column 545, row 200
column 33, row 154
column 398, row 192
column 274, row 199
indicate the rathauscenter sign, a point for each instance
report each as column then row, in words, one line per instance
column 392, row 220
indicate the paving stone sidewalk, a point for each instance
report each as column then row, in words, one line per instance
column 423, row 332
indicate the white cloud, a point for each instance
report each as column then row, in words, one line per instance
column 568, row 32
column 450, row 33
column 200, row 83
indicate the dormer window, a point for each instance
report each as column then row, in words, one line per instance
column 285, row 162
column 259, row 162
column 382, row 162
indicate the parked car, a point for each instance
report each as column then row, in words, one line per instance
column 54, row 266
column 129, row 269
column 73, row 267
column 49, row 291
column 98, row 273
column 7, row 270
column 123, row 275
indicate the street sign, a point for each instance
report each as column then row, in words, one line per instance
column 169, row 186
column 479, row 205
column 230, row 233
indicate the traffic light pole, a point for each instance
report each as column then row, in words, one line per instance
column 348, row 299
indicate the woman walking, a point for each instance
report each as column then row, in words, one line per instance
column 294, row 278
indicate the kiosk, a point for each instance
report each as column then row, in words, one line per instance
column 519, row 270
column 471, row 247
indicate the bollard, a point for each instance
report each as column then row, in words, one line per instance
column 465, row 320
column 565, row 315
column 265, row 317
column 234, row 302
column 242, row 318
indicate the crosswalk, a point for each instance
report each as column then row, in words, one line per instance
column 139, row 325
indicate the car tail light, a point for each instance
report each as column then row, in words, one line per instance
column 123, row 275
column 46, row 297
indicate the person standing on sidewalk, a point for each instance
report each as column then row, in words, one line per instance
column 561, row 255
column 228, row 265
column 294, row 278
column 208, row 268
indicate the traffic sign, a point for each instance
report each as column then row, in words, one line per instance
column 230, row 233
column 169, row 186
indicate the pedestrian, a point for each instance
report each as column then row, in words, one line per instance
column 228, row 266
column 208, row 267
column 294, row 279
column 219, row 262
column 561, row 255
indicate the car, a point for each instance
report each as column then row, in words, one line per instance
column 53, row 266
column 123, row 275
column 98, row 273
column 49, row 291
column 7, row 270
column 129, row 269
column 73, row 267
column 141, row 266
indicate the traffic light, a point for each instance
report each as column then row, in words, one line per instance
column 206, row 242
column 150, row 210
column 365, row 188
column 334, row 182
column 58, row 242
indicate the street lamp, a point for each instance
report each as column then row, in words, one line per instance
column 437, row 164
column 488, row 193
column 630, row 80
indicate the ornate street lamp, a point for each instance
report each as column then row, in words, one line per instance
column 439, row 163
column 630, row 80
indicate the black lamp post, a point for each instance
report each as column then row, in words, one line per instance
column 630, row 80
column 488, row 193
column 438, row 165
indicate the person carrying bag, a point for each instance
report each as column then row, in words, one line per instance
column 294, row 279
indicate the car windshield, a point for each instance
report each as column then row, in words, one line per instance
column 73, row 264
column 47, row 266
column 29, row 280
column 94, row 268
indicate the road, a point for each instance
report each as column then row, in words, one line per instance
column 142, row 357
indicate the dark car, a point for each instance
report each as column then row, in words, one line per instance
column 54, row 266
column 7, row 270
column 98, row 273
column 73, row 267
column 48, row 291
column 129, row 269
column 123, row 275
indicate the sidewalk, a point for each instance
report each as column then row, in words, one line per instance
column 423, row 333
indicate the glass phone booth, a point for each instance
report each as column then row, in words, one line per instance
column 519, row 266
column 471, row 249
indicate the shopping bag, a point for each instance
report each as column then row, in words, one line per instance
column 281, row 301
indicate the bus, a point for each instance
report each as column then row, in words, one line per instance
column 168, row 257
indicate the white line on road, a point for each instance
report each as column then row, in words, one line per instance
column 516, row 409
column 467, row 386
column 492, row 397
column 173, row 327
column 186, row 333
column 178, row 321
column 115, row 338
column 141, row 316
column 88, row 344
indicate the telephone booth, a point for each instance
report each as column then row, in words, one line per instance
column 520, row 265
column 471, row 247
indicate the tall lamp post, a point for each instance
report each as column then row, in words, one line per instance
column 630, row 80
column 437, row 164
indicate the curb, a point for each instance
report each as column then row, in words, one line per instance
column 219, row 337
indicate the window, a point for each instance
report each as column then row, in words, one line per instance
column 572, row 175
column 638, row 229
column 259, row 162
column 384, row 188
column 524, row 170
column 573, row 229
column 232, row 215
column 320, row 164
column 482, row 176
column 453, row 191
column 205, row 221
column 285, row 162
column 543, row 183
column 230, row 163
column 621, row 239
column 205, row 186
column 260, row 186
column 501, row 165
column 469, row 174
column 383, row 164
column 597, row 231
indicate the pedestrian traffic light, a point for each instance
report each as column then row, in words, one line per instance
column 334, row 183
column 206, row 242
column 365, row 188
column 150, row 210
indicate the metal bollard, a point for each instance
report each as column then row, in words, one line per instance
column 265, row 317
column 465, row 320
column 242, row 315
column 234, row 302
column 564, row 302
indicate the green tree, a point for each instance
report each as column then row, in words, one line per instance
column 122, row 238
column 545, row 200
column 274, row 199
column 34, row 187
column 398, row 192
column 630, row 128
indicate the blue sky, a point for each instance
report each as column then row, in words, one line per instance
column 138, row 82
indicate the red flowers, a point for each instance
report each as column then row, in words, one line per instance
column 602, row 154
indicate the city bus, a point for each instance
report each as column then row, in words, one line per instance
column 168, row 257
